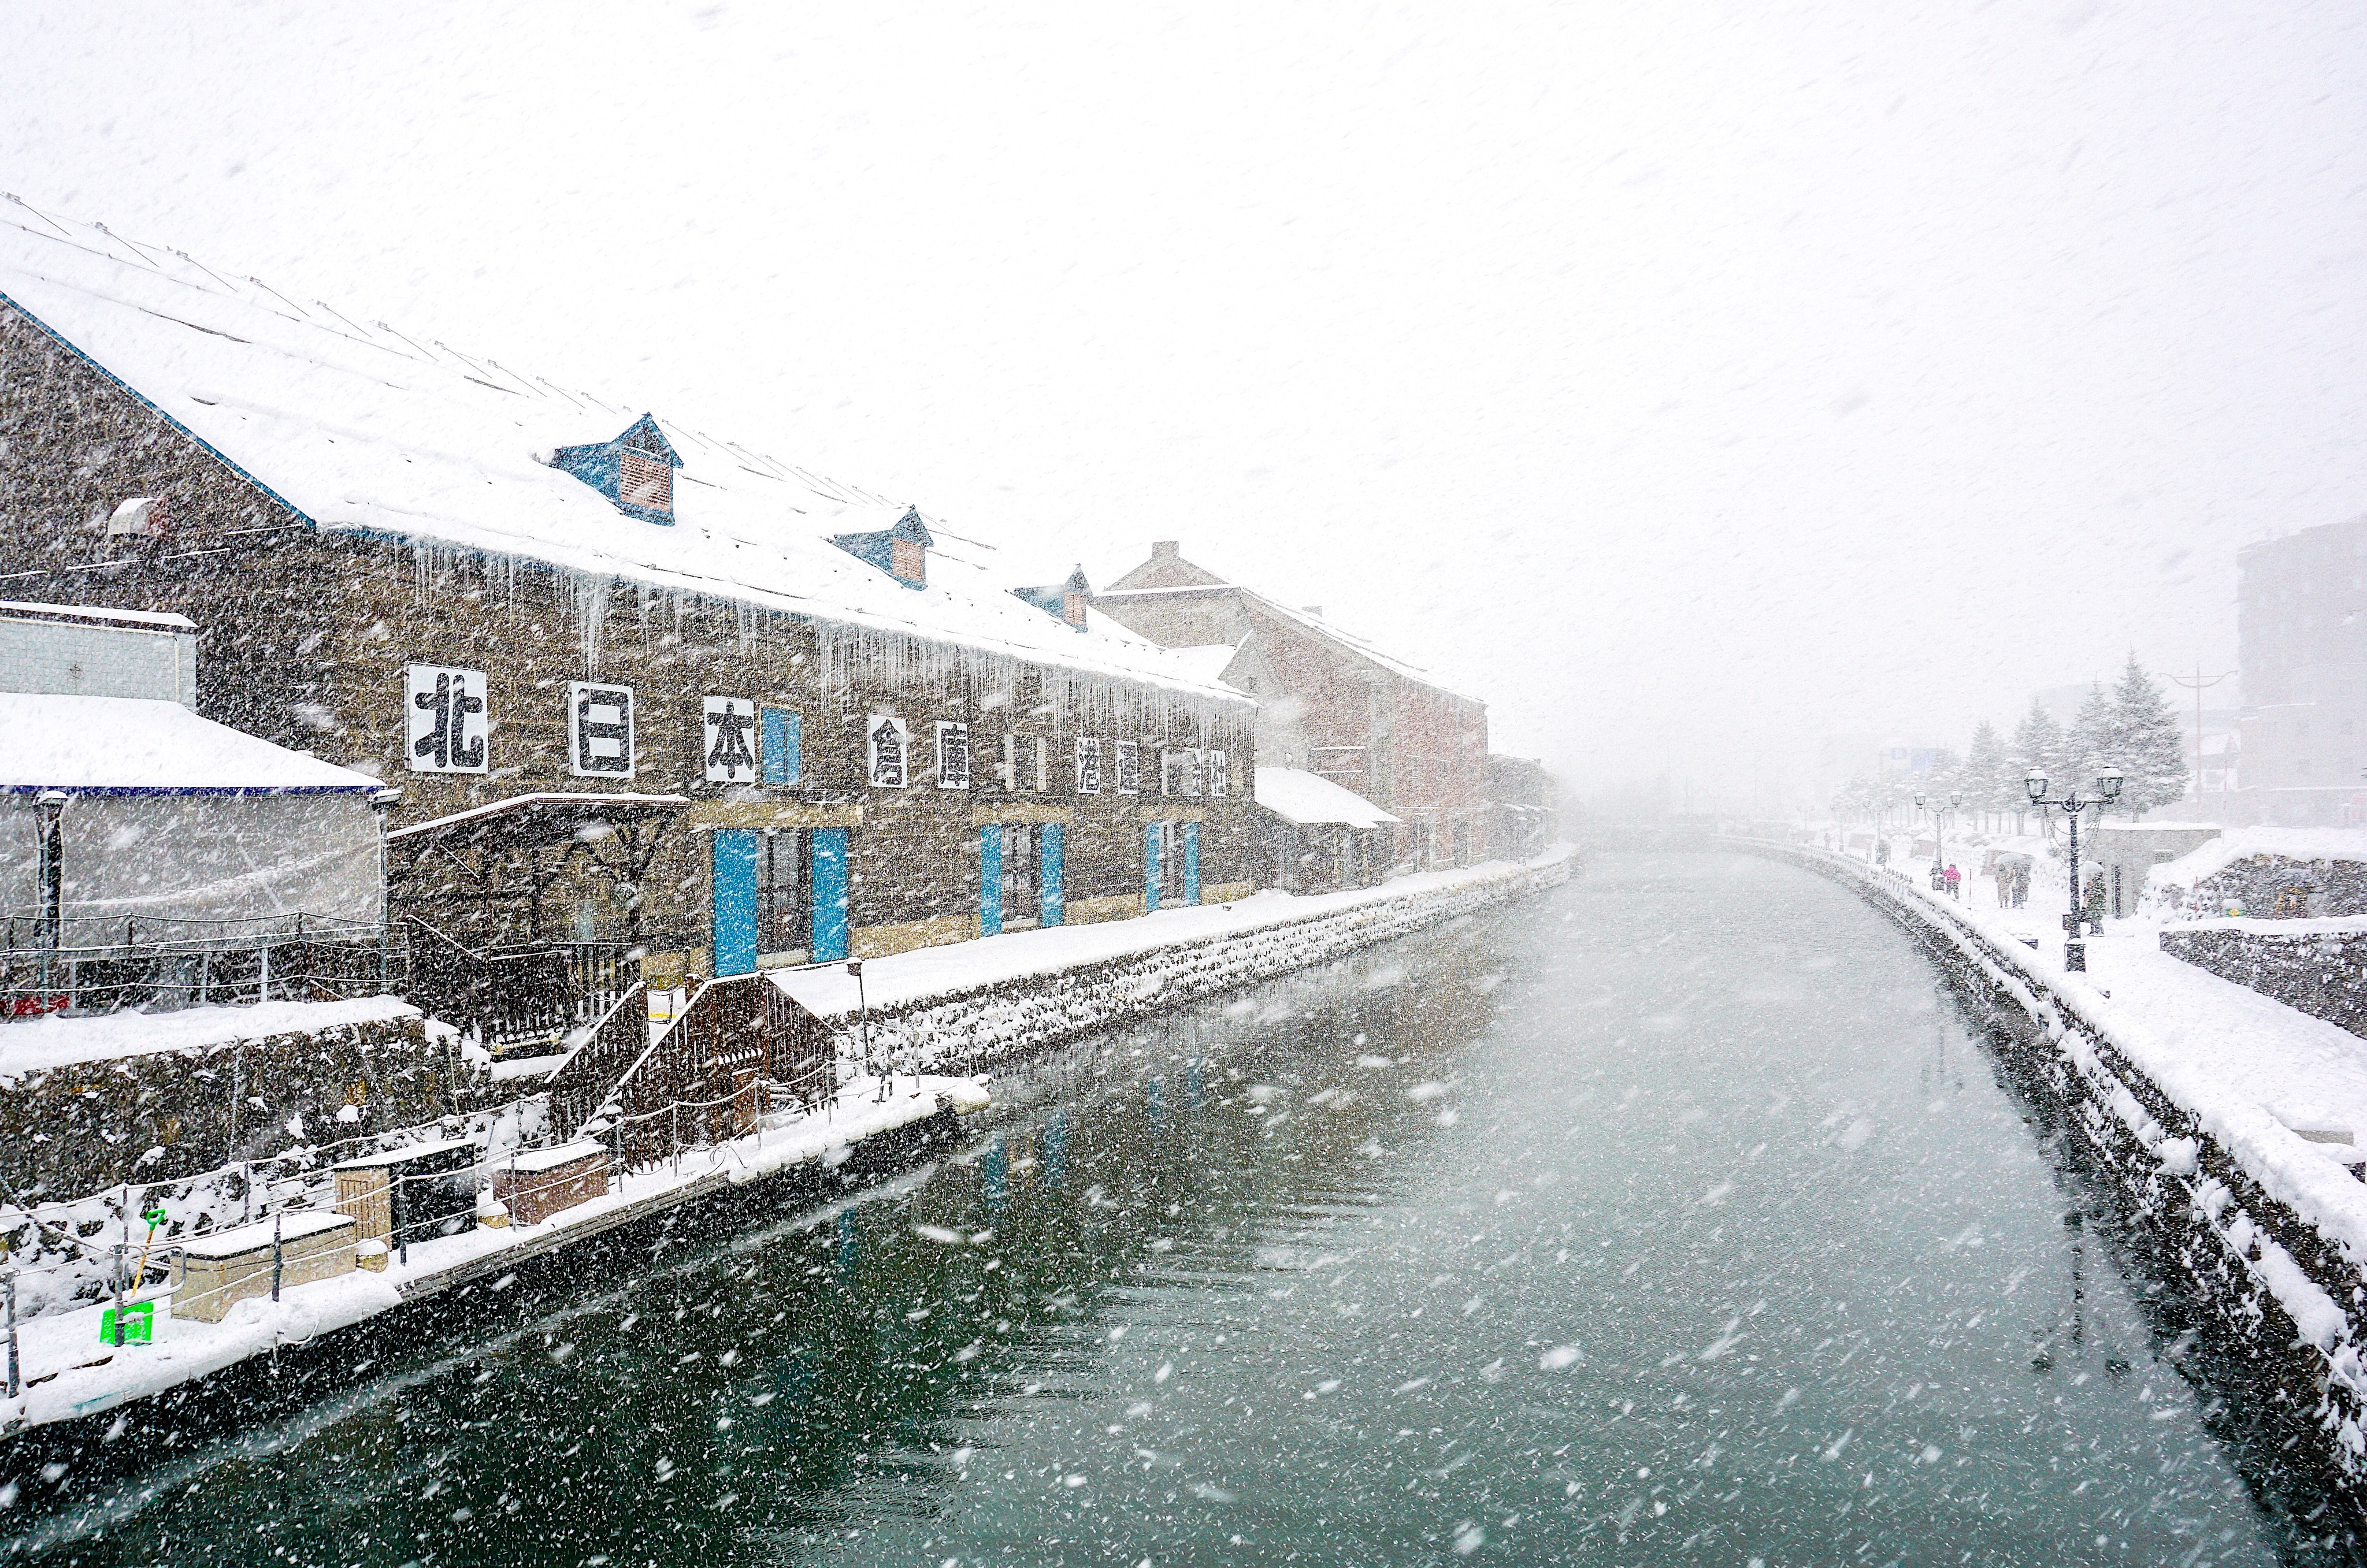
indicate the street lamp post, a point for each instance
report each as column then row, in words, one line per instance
column 2108, row 789
column 1938, row 832
column 51, row 886
column 383, row 802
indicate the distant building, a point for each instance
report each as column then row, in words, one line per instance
column 1330, row 703
column 2301, row 621
column 1523, row 805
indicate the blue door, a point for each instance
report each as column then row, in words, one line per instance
column 1151, row 866
column 1048, row 868
column 1191, row 862
column 731, row 858
column 990, row 881
column 828, row 893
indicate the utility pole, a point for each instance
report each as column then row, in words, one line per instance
column 2195, row 684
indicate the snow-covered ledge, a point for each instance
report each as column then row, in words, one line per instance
column 965, row 1006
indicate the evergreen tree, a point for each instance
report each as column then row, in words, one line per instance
column 2146, row 744
column 2038, row 747
column 1989, row 772
column 2094, row 742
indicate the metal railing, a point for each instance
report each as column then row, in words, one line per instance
column 86, row 964
column 526, row 994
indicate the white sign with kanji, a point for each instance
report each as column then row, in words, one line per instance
column 599, row 731
column 731, row 739
column 445, row 720
column 953, row 755
column 889, row 744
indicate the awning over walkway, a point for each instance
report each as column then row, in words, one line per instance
column 1309, row 800
column 146, row 746
column 532, row 821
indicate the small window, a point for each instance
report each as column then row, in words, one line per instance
column 908, row 559
column 1089, row 764
column 1178, row 773
column 1219, row 772
column 1043, row 780
column 1129, row 761
column 783, row 763
column 644, row 482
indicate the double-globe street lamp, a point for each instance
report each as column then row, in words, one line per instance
column 2107, row 790
column 1938, row 833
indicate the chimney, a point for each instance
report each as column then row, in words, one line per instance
column 1162, row 549
column 1314, row 610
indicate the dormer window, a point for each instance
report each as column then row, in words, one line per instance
column 902, row 551
column 1069, row 601
column 635, row 470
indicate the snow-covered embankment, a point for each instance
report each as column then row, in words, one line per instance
column 2269, row 1227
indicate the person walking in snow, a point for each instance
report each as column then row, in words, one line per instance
column 1954, row 878
column 1881, row 851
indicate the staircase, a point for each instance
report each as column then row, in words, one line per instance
column 703, row 1079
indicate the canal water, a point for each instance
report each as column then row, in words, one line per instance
column 1674, row 1217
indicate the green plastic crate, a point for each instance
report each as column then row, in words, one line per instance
column 139, row 1324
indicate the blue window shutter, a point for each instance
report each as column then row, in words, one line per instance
column 731, row 855
column 989, row 880
column 1049, row 871
column 1150, row 867
column 829, row 882
column 783, row 765
column 1191, row 862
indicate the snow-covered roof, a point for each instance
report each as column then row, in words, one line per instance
column 163, row 620
column 2287, row 843
column 144, row 746
column 1209, row 660
column 367, row 428
column 1363, row 646
column 1310, row 799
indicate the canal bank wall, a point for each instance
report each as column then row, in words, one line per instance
column 2266, row 1230
column 961, row 1010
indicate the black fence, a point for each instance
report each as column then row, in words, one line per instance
column 517, row 999
column 97, row 965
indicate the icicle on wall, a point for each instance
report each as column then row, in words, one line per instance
column 590, row 597
column 856, row 658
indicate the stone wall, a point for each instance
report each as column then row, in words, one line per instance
column 2322, row 970
column 969, row 1030
column 85, row 1126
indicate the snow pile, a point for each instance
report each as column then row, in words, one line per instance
column 65, row 1380
column 2304, row 844
column 34, row 1045
column 1308, row 799
column 145, row 744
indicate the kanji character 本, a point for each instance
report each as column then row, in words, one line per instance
column 731, row 749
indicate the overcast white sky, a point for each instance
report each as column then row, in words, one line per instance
column 1688, row 381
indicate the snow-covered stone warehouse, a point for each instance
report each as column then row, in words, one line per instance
column 638, row 685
